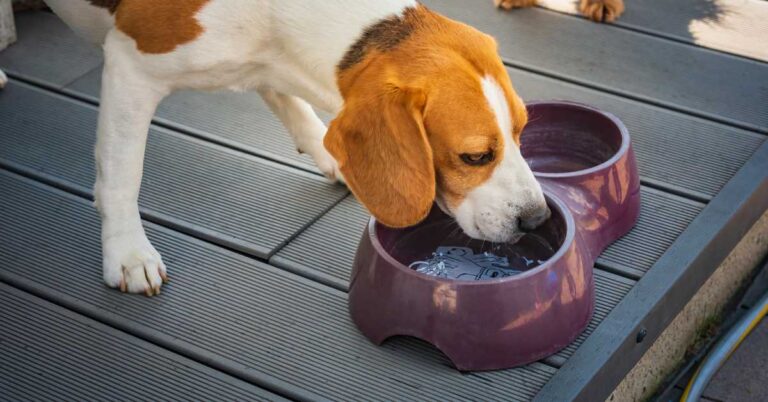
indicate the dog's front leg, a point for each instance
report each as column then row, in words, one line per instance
column 128, row 101
column 306, row 129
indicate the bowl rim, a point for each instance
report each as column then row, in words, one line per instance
column 568, row 240
column 623, row 148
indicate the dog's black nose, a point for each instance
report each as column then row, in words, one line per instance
column 532, row 217
column 521, row 226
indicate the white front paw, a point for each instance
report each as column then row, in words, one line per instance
column 132, row 264
column 325, row 162
column 3, row 79
column 329, row 167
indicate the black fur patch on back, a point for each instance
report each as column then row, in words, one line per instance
column 382, row 36
column 110, row 5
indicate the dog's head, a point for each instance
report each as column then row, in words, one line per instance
column 435, row 118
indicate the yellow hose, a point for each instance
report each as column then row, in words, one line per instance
column 723, row 350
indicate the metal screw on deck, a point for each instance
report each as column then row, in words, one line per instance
column 641, row 335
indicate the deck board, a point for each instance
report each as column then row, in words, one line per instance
column 251, row 318
column 238, row 119
column 733, row 26
column 41, row 38
column 231, row 198
column 51, row 353
column 621, row 61
column 610, row 289
column 327, row 248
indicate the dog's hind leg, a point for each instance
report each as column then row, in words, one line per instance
column 306, row 129
column 128, row 101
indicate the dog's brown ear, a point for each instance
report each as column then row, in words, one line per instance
column 380, row 144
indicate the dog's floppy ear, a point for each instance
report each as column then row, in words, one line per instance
column 380, row 144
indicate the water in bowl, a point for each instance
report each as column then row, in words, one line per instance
column 442, row 249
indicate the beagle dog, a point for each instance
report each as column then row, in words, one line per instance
column 425, row 110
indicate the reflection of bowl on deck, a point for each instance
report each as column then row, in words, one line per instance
column 585, row 163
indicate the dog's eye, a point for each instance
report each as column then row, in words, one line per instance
column 477, row 159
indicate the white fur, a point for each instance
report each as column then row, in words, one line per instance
column 128, row 101
column 3, row 79
column 287, row 50
column 494, row 209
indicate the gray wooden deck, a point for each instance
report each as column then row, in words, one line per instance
column 259, row 245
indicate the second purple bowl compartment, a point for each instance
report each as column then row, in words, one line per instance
column 564, row 138
column 500, row 323
column 602, row 190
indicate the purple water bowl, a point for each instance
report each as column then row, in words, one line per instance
column 584, row 161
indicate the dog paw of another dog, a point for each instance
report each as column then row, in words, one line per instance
column 3, row 79
column 601, row 10
column 133, row 265
column 510, row 4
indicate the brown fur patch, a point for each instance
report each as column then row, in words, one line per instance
column 110, row 5
column 159, row 26
column 383, row 36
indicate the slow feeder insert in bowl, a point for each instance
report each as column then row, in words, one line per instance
column 481, row 321
column 438, row 247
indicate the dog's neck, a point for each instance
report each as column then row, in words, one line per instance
column 321, row 40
